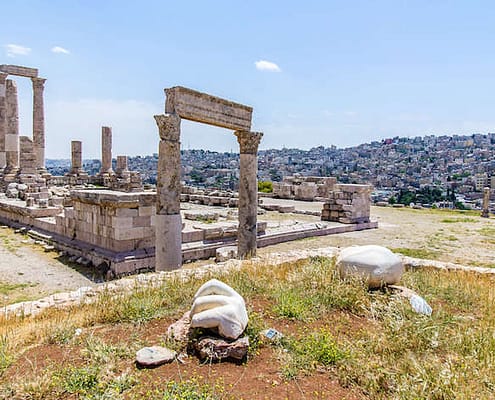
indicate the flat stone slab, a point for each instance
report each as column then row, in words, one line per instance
column 154, row 356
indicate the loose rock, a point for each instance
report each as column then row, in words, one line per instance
column 155, row 355
column 216, row 349
column 377, row 264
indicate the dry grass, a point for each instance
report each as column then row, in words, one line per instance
column 391, row 353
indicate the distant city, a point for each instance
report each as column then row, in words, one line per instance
column 453, row 168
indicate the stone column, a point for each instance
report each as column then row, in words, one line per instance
column 12, row 133
column 122, row 165
column 3, row 118
column 76, row 160
column 485, row 213
column 39, row 122
column 248, row 192
column 106, row 151
column 168, row 226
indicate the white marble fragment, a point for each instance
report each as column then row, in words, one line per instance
column 217, row 306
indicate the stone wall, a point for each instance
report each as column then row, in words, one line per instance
column 115, row 221
column 307, row 188
column 348, row 204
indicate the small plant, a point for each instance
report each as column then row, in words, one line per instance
column 5, row 357
column 292, row 304
column 265, row 186
column 78, row 380
column 310, row 350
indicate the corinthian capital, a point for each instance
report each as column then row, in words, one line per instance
column 38, row 83
column 248, row 141
column 168, row 126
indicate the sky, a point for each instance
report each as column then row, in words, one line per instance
column 315, row 72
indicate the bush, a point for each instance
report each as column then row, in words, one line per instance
column 265, row 187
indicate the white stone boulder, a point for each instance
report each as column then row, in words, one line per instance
column 377, row 264
column 217, row 306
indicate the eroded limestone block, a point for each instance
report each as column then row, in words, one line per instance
column 216, row 349
column 377, row 264
column 217, row 306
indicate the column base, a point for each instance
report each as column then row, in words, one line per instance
column 168, row 242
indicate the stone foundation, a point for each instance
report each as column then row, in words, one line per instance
column 348, row 204
column 306, row 188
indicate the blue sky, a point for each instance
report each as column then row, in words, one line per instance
column 348, row 71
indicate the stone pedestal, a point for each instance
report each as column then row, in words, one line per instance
column 248, row 192
column 168, row 220
column 3, row 118
column 39, row 122
column 485, row 213
column 12, row 132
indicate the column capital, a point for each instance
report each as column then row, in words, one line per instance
column 38, row 83
column 248, row 141
column 168, row 126
column 3, row 77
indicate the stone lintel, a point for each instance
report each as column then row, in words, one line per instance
column 110, row 198
column 19, row 70
column 201, row 107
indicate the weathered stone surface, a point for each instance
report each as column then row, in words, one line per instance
column 217, row 306
column 3, row 118
column 179, row 330
column 106, row 150
column 168, row 243
column 155, row 355
column 201, row 107
column 485, row 213
column 376, row 264
column 19, row 70
column 39, row 122
column 12, row 133
column 225, row 253
column 216, row 349
column 248, row 192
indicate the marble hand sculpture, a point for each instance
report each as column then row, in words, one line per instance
column 217, row 305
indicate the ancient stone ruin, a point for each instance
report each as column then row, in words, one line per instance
column 109, row 221
column 200, row 107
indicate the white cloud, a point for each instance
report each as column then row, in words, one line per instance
column 60, row 50
column 16, row 50
column 263, row 65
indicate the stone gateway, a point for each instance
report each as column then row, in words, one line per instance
column 184, row 103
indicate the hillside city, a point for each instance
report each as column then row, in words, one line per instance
column 449, row 168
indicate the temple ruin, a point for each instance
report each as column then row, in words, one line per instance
column 109, row 221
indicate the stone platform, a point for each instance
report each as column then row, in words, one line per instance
column 115, row 232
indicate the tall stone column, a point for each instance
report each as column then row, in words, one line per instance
column 168, row 226
column 485, row 213
column 3, row 118
column 248, row 192
column 39, row 122
column 76, row 159
column 106, row 150
column 12, row 133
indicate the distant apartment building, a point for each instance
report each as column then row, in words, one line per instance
column 480, row 181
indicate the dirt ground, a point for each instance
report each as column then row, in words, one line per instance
column 28, row 272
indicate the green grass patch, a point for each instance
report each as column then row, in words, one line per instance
column 487, row 231
column 459, row 220
column 417, row 253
